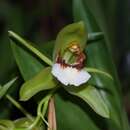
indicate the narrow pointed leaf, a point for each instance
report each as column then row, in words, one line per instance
column 93, row 97
column 71, row 33
column 42, row 81
column 4, row 89
column 13, row 35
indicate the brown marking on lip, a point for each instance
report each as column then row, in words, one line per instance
column 80, row 57
column 79, row 64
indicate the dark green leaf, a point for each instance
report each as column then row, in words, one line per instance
column 71, row 115
column 98, row 56
column 27, row 63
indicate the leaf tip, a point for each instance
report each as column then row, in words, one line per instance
column 23, row 95
column 10, row 33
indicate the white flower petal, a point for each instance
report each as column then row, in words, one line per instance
column 69, row 75
column 58, row 72
column 82, row 77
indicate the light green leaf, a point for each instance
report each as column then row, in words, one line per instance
column 71, row 33
column 92, row 96
column 4, row 89
column 24, row 123
column 6, row 125
column 42, row 81
column 94, row 70
column 14, row 36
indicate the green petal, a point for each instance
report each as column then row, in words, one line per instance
column 42, row 81
column 71, row 33
column 94, row 70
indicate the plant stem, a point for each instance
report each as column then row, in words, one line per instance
column 40, row 110
column 52, row 115
column 16, row 104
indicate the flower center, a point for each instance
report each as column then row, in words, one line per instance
column 74, row 53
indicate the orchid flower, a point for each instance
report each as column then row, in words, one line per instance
column 71, row 74
column 67, row 68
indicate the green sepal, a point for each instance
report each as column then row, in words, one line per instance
column 75, row 32
column 93, row 97
column 42, row 81
column 97, row 71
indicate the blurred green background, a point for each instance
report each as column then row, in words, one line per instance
column 40, row 21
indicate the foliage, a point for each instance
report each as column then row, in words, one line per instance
column 74, row 106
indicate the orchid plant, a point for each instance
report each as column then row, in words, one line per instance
column 67, row 70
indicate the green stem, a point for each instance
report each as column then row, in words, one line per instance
column 16, row 104
column 41, row 114
column 40, row 111
column 36, row 121
column 31, row 48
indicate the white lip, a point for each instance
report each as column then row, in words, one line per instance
column 69, row 75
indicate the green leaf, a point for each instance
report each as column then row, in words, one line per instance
column 98, row 56
column 20, row 129
column 13, row 36
column 42, row 81
column 71, row 114
column 71, row 33
column 4, row 89
column 93, row 97
column 27, row 63
column 95, row 36
column 94, row 70
column 6, row 125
